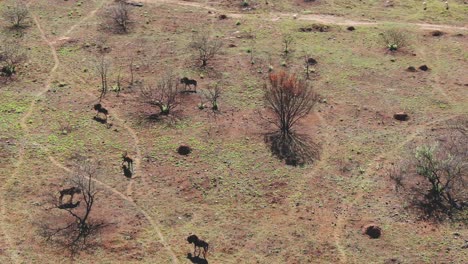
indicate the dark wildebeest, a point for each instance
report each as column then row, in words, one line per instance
column 128, row 160
column 198, row 243
column 70, row 191
column 69, row 205
column 100, row 110
column 189, row 82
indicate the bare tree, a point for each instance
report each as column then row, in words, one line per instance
column 11, row 55
column 17, row 14
column 205, row 47
column 289, row 98
column 79, row 228
column 212, row 94
column 288, row 40
column 394, row 39
column 102, row 66
column 119, row 16
column 442, row 168
column 165, row 94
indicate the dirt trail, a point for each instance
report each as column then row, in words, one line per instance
column 14, row 254
column 23, row 123
column 153, row 224
column 320, row 18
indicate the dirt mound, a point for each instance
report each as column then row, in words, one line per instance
column 221, row 17
column 401, row 116
column 437, row 33
column 315, row 28
column 411, row 69
column 373, row 231
column 184, row 150
column 423, row 68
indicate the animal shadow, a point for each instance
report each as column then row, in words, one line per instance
column 196, row 259
column 100, row 120
column 127, row 172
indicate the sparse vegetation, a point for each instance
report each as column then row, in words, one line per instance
column 118, row 16
column 17, row 14
column 395, row 39
column 11, row 56
column 79, row 229
column 205, row 47
column 164, row 94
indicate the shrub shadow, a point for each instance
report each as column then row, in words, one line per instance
column 294, row 149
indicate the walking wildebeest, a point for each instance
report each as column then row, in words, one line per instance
column 189, row 82
column 198, row 243
column 99, row 109
column 128, row 160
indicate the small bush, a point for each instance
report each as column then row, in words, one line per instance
column 394, row 39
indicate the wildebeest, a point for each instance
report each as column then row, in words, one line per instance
column 69, row 205
column 70, row 191
column 189, row 82
column 100, row 110
column 128, row 160
column 198, row 243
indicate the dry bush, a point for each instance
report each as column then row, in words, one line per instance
column 164, row 95
column 118, row 17
column 205, row 47
column 17, row 14
column 395, row 39
column 79, row 231
column 442, row 167
column 11, row 55
column 289, row 98
column 212, row 94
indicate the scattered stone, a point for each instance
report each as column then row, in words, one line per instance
column 373, row 231
column 351, row 28
column 401, row 116
column 411, row 69
column 423, row 68
column 437, row 33
column 315, row 28
column 184, row 150
column 392, row 261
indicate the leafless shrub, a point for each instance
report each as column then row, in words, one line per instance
column 205, row 47
column 395, row 39
column 11, row 55
column 442, row 169
column 288, row 40
column 118, row 16
column 79, row 230
column 17, row 14
column 164, row 95
column 289, row 98
column 212, row 94
column 102, row 66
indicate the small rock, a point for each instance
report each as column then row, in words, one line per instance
column 411, row 69
column 351, row 28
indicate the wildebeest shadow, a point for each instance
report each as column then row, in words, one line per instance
column 196, row 259
column 100, row 120
column 295, row 149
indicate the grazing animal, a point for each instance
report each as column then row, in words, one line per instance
column 70, row 191
column 189, row 82
column 100, row 110
column 198, row 243
column 69, row 205
column 128, row 160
